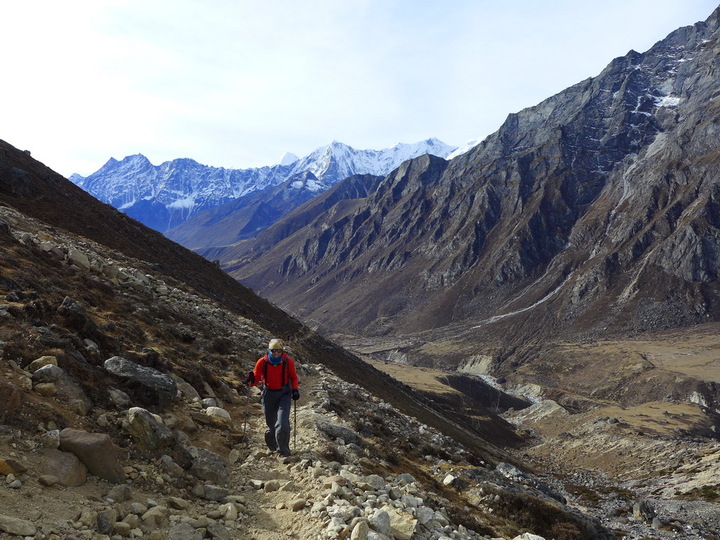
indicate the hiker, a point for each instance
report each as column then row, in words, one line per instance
column 276, row 372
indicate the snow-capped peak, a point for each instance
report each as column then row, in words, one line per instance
column 288, row 159
column 464, row 148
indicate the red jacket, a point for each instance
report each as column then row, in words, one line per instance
column 275, row 377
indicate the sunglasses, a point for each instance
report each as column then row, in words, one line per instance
column 275, row 350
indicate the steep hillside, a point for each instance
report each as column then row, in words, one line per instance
column 592, row 212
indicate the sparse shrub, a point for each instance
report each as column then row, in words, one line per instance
column 330, row 452
column 706, row 493
column 587, row 494
column 221, row 345
column 21, row 353
column 533, row 513
column 564, row 530
column 464, row 516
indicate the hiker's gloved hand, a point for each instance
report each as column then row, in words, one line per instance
column 250, row 378
column 296, row 394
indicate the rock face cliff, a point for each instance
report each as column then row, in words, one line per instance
column 596, row 210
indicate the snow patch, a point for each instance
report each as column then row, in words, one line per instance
column 182, row 203
column 314, row 185
column 667, row 101
column 464, row 148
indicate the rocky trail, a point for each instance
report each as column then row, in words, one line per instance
column 335, row 485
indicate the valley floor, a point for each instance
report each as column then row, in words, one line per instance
column 648, row 469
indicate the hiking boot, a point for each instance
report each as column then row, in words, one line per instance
column 284, row 453
column 270, row 441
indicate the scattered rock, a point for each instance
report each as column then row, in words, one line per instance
column 96, row 451
column 208, row 465
column 16, row 526
column 160, row 388
column 10, row 466
column 148, row 431
column 66, row 467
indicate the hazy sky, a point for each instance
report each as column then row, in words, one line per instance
column 237, row 83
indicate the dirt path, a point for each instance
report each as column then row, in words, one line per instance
column 270, row 513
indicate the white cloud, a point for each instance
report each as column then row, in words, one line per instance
column 237, row 83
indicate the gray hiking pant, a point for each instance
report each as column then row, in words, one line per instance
column 276, row 406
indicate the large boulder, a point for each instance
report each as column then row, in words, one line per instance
column 64, row 385
column 208, row 465
column 16, row 526
column 65, row 466
column 337, row 431
column 148, row 432
column 76, row 317
column 152, row 386
column 96, row 451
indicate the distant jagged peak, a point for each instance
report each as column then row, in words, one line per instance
column 133, row 161
column 288, row 159
column 333, row 149
column 130, row 183
column 432, row 142
column 132, row 158
column 337, row 160
column 432, row 145
column 466, row 147
column 187, row 161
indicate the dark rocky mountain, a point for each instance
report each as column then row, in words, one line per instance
column 594, row 212
column 351, row 191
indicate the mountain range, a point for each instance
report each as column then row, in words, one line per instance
column 165, row 196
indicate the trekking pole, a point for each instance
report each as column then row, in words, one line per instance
column 295, row 425
column 245, row 417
